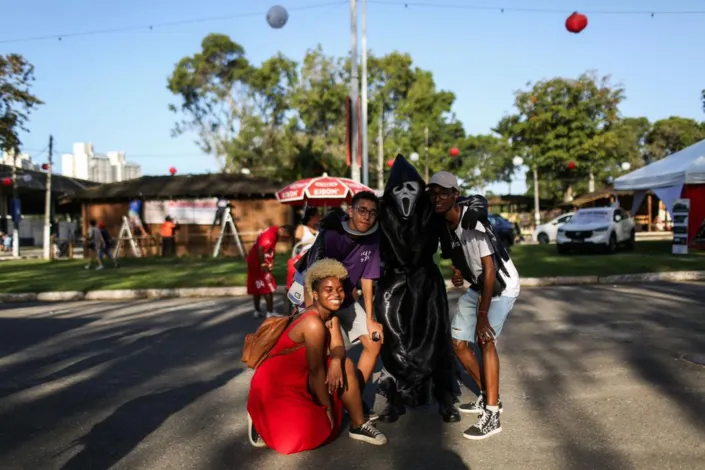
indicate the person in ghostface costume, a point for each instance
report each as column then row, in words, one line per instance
column 411, row 302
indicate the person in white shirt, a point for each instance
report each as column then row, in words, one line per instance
column 479, row 258
column 307, row 231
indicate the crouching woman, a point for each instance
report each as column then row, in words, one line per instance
column 298, row 393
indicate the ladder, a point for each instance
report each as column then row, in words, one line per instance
column 126, row 234
column 224, row 224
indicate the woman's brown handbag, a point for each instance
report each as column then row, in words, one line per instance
column 259, row 344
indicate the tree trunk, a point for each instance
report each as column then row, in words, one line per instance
column 591, row 182
column 568, row 194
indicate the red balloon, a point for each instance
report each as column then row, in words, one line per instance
column 45, row 166
column 454, row 152
column 390, row 163
column 7, row 181
column 576, row 22
column 172, row 170
column 571, row 165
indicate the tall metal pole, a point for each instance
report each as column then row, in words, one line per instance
column 15, row 199
column 47, row 203
column 363, row 98
column 380, row 151
column 354, row 87
column 425, row 134
column 537, row 213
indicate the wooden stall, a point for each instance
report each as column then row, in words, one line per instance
column 254, row 208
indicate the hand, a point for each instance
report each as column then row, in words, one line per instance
column 484, row 331
column 372, row 327
column 457, row 278
column 334, row 380
column 266, row 268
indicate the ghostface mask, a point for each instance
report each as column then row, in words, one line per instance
column 406, row 195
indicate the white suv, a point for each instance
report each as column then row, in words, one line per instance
column 604, row 227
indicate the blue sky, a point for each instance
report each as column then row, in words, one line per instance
column 109, row 89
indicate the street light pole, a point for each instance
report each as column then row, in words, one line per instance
column 354, row 87
column 363, row 98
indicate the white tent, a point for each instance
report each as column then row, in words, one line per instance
column 695, row 174
column 665, row 177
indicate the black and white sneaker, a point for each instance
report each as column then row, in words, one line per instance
column 478, row 406
column 368, row 433
column 487, row 425
column 252, row 434
column 258, row 314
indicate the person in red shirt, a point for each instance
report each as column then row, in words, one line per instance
column 260, row 262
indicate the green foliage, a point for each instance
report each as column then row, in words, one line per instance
column 670, row 135
column 16, row 100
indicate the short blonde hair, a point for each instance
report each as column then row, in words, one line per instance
column 324, row 269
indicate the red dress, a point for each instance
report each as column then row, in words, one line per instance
column 280, row 405
column 258, row 281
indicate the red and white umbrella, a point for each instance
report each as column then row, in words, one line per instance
column 320, row 191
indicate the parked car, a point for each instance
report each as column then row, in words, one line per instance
column 604, row 227
column 503, row 229
column 546, row 233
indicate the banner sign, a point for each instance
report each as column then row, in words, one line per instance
column 681, row 212
column 185, row 211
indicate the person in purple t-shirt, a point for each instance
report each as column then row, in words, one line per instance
column 355, row 243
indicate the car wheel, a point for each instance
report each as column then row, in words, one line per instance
column 543, row 238
column 631, row 242
column 612, row 244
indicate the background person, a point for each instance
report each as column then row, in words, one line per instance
column 260, row 262
column 94, row 243
column 106, row 250
column 297, row 394
column 167, row 232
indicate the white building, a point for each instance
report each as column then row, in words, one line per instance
column 23, row 161
column 83, row 163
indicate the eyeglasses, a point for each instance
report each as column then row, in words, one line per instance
column 440, row 194
column 364, row 211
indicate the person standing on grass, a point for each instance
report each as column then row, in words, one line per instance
column 479, row 258
column 260, row 262
column 95, row 244
column 167, row 232
column 353, row 240
column 107, row 245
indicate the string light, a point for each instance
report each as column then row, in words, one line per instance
column 403, row 4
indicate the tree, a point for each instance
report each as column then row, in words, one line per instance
column 16, row 100
column 559, row 121
column 670, row 135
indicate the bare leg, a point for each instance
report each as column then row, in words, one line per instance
column 490, row 370
column 467, row 358
column 368, row 358
column 352, row 396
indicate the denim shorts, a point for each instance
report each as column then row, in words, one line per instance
column 465, row 320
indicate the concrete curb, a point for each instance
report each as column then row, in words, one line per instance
column 239, row 291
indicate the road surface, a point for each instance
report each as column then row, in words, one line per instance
column 591, row 378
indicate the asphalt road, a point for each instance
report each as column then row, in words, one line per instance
column 591, row 378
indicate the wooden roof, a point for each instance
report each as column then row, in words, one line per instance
column 604, row 193
column 230, row 186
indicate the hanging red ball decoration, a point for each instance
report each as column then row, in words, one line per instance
column 7, row 181
column 571, row 165
column 576, row 22
column 454, row 152
column 172, row 170
column 45, row 166
column 390, row 163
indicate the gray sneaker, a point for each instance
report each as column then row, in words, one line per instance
column 478, row 406
column 368, row 433
column 487, row 425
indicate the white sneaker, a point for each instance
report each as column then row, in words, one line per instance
column 275, row 315
column 88, row 266
column 252, row 434
column 99, row 267
column 257, row 314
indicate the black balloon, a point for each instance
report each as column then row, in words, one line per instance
column 410, row 301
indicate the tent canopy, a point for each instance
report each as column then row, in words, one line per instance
column 669, row 172
column 695, row 174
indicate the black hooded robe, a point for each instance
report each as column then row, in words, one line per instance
column 410, row 300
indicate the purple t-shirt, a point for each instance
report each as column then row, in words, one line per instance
column 360, row 257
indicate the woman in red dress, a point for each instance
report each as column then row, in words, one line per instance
column 297, row 395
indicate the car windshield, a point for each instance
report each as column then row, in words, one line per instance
column 591, row 217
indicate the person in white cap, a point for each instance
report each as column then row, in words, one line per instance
column 479, row 258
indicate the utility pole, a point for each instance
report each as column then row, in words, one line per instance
column 380, row 151
column 363, row 98
column 537, row 213
column 354, row 87
column 47, row 204
column 16, row 200
column 425, row 134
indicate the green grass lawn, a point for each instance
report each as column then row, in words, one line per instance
column 531, row 261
